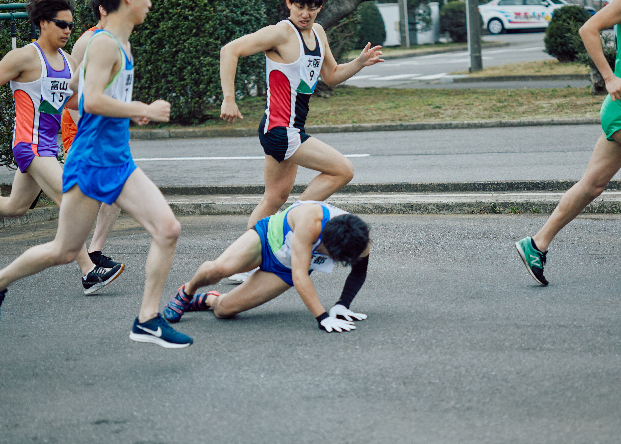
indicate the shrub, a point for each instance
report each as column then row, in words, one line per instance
column 560, row 40
column 177, row 53
column 371, row 25
column 453, row 21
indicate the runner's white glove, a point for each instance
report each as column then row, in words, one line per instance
column 328, row 324
column 340, row 312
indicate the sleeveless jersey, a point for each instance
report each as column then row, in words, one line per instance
column 280, row 235
column 618, row 58
column 38, row 104
column 290, row 85
column 104, row 141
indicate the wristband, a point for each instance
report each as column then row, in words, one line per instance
column 322, row 316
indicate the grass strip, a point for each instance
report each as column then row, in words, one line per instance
column 350, row 104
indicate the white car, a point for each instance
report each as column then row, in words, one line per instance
column 499, row 15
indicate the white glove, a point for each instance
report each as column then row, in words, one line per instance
column 329, row 324
column 346, row 313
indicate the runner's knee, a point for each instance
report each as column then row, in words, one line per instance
column 168, row 231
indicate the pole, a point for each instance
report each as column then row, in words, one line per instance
column 13, row 33
column 404, row 26
column 474, row 35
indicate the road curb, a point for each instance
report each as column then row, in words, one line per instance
column 531, row 78
column 199, row 133
column 528, row 197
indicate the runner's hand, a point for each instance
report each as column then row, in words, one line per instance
column 370, row 56
column 159, row 111
column 340, row 312
column 329, row 324
column 229, row 111
column 613, row 86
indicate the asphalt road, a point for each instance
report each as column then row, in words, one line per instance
column 524, row 153
column 460, row 345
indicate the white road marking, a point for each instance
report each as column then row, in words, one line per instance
column 175, row 159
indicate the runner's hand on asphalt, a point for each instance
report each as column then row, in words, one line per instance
column 329, row 324
column 340, row 312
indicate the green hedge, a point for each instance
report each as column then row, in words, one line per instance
column 371, row 27
column 562, row 39
column 177, row 51
column 453, row 21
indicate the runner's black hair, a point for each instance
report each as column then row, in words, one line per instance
column 46, row 10
column 110, row 5
column 345, row 237
column 311, row 3
column 95, row 5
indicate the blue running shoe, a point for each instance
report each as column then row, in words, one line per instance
column 159, row 332
column 533, row 259
column 181, row 302
column 2, row 295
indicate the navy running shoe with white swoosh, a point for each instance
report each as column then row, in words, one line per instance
column 533, row 259
column 158, row 332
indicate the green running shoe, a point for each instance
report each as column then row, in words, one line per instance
column 533, row 259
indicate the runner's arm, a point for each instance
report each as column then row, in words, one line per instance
column 99, row 71
column 334, row 74
column 79, row 49
column 354, row 281
column 14, row 63
column 263, row 40
column 306, row 231
column 607, row 17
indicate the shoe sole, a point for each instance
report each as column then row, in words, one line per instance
column 154, row 340
column 523, row 257
column 99, row 285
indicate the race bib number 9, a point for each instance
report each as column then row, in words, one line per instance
column 309, row 74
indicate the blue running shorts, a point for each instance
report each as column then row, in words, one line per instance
column 103, row 184
column 281, row 142
column 610, row 115
column 269, row 263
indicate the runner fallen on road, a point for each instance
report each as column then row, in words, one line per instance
column 296, row 53
column 606, row 157
column 39, row 76
column 286, row 247
column 100, row 168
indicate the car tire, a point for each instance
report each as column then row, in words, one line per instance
column 495, row 26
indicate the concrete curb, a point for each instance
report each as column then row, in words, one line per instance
column 533, row 78
column 502, row 197
column 198, row 133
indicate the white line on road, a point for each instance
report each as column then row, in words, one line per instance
column 174, row 159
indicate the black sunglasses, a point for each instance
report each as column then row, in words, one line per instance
column 62, row 24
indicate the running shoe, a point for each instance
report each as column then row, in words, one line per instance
column 101, row 260
column 238, row 278
column 159, row 332
column 99, row 277
column 2, row 295
column 181, row 302
column 533, row 259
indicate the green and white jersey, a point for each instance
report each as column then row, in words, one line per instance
column 279, row 236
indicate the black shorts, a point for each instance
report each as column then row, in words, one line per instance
column 281, row 142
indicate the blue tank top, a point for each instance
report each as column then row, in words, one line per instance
column 104, row 141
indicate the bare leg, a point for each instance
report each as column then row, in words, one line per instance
column 604, row 164
column 44, row 173
column 259, row 288
column 142, row 200
column 75, row 221
column 335, row 172
column 242, row 255
column 106, row 218
column 279, row 180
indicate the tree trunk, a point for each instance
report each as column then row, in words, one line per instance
column 333, row 11
column 598, row 86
